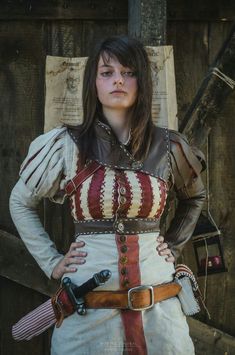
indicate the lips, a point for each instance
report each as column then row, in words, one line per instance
column 118, row 92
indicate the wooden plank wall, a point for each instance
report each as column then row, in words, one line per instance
column 27, row 35
column 195, row 46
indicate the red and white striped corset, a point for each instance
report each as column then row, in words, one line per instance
column 108, row 192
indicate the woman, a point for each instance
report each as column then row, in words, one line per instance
column 116, row 209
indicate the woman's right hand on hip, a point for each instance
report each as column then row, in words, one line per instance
column 72, row 257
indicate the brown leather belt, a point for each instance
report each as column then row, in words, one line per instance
column 120, row 226
column 136, row 298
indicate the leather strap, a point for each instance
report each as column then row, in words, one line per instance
column 81, row 176
column 139, row 298
column 120, row 226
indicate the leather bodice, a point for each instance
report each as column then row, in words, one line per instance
column 170, row 160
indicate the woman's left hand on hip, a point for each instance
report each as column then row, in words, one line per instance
column 164, row 250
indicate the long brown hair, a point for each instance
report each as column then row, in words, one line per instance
column 130, row 53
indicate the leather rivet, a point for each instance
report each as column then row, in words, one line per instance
column 123, row 248
column 120, row 226
column 122, row 238
column 136, row 165
column 123, row 259
column 125, row 283
column 124, row 271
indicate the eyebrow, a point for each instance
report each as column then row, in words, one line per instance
column 105, row 65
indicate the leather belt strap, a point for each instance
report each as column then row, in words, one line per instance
column 120, row 226
column 136, row 298
column 81, row 176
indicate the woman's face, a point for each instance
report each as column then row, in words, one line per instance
column 116, row 85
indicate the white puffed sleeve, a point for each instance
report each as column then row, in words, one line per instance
column 42, row 174
column 43, row 166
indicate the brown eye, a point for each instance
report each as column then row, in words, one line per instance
column 106, row 73
column 129, row 73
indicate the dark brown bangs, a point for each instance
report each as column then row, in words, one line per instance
column 122, row 56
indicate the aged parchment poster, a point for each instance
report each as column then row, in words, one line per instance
column 164, row 106
column 64, row 78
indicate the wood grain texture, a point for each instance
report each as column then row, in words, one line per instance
column 211, row 96
column 190, row 44
column 64, row 9
column 208, row 340
column 22, row 99
column 19, row 266
column 177, row 10
column 220, row 288
column 147, row 21
column 94, row 31
column 16, row 301
column 201, row 10
column 23, row 48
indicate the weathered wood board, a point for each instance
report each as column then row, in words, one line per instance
column 16, row 301
column 220, row 288
column 177, row 10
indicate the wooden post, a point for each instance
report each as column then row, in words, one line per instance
column 147, row 21
column 211, row 95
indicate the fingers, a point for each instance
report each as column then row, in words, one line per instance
column 77, row 253
column 160, row 239
column 162, row 246
column 73, row 257
column 164, row 250
column 170, row 259
column 67, row 269
column 76, row 245
column 64, row 267
column 74, row 260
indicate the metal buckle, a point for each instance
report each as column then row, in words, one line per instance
column 137, row 288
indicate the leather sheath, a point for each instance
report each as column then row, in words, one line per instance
column 171, row 159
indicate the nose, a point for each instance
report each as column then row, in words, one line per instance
column 118, row 79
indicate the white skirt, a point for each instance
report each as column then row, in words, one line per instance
column 101, row 331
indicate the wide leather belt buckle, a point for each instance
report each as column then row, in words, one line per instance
column 136, row 289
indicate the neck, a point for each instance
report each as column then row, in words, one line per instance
column 119, row 121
